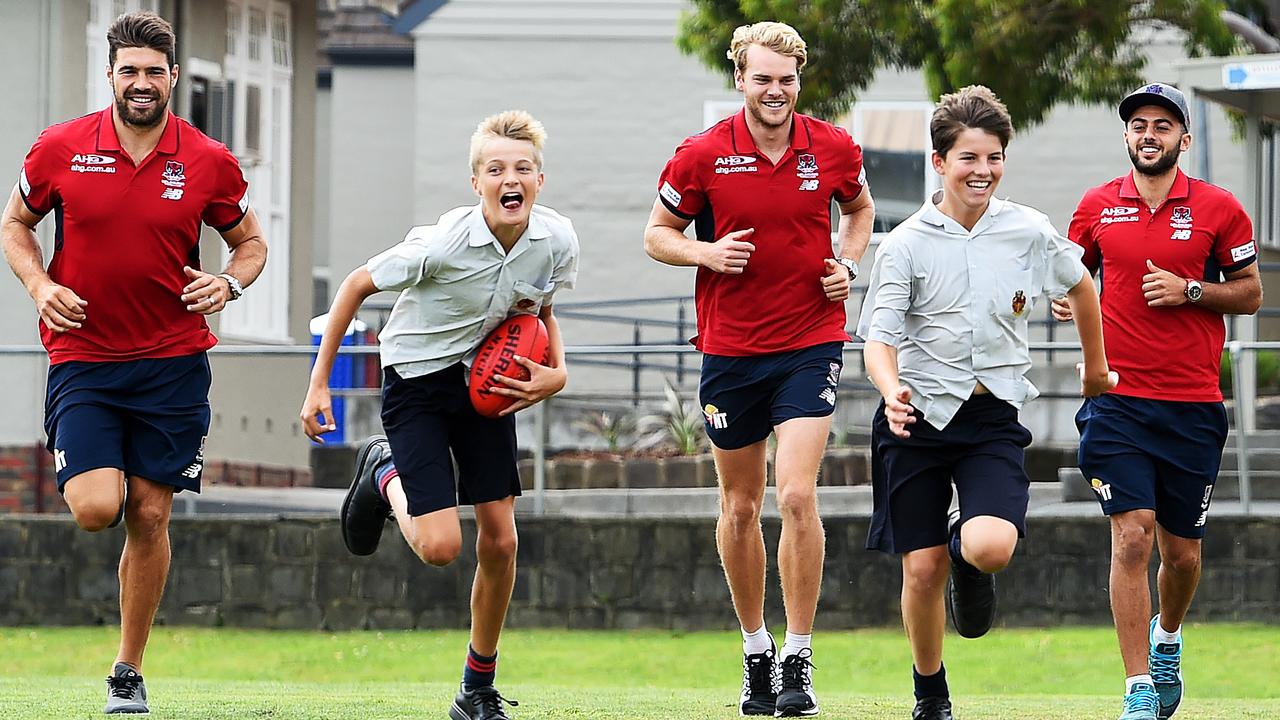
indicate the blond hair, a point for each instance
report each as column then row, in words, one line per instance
column 512, row 124
column 778, row 37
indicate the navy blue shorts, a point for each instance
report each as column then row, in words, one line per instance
column 146, row 417
column 1140, row 454
column 981, row 450
column 430, row 424
column 743, row 398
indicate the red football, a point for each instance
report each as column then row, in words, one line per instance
column 523, row 335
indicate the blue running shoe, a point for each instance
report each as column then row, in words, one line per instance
column 1141, row 704
column 1165, row 663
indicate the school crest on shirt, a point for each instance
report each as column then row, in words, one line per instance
column 806, row 166
column 1019, row 303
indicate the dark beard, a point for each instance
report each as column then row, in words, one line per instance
column 1167, row 161
column 141, row 120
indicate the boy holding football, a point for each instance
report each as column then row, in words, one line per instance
column 945, row 322
column 458, row 280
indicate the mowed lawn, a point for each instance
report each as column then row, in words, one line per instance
column 1054, row 674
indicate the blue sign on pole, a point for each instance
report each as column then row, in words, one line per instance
column 1256, row 75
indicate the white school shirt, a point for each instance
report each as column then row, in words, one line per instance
column 457, row 284
column 955, row 302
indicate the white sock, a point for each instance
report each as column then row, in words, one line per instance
column 795, row 643
column 1160, row 635
column 756, row 642
column 1129, row 682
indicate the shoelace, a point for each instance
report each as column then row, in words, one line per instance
column 1164, row 667
column 795, row 670
column 490, row 700
column 124, row 686
column 759, row 675
column 1144, row 699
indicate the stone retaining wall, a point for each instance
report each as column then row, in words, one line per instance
column 295, row 573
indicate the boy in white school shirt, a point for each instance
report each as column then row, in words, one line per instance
column 458, row 280
column 945, row 324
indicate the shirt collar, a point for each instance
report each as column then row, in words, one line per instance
column 108, row 141
column 801, row 135
column 1180, row 189
column 933, row 216
column 480, row 234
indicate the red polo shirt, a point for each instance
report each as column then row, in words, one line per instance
column 1201, row 231
column 723, row 183
column 125, row 231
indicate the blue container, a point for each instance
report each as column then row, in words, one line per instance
column 348, row 371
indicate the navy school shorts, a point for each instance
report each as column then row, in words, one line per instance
column 1161, row 455
column 430, row 424
column 981, row 451
column 743, row 398
column 147, row 417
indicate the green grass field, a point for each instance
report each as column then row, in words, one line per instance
column 1056, row 674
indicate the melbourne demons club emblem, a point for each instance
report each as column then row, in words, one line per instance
column 1181, row 214
column 1019, row 303
column 806, row 166
column 174, row 179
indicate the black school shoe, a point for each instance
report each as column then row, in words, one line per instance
column 483, row 703
column 932, row 708
column 364, row 511
column 971, row 595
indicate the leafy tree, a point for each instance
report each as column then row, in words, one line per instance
column 1033, row 53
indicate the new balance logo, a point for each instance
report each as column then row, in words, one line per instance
column 829, row 395
column 193, row 470
column 59, row 460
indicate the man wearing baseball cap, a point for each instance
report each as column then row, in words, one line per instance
column 1176, row 254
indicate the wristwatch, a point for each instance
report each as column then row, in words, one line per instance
column 849, row 265
column 233, row 285
column 1194, row 291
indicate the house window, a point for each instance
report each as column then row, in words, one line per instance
column 895, row 152
column 257, row 94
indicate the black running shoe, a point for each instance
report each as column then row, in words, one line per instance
column 971, row 595
column 932, row 708
column 126, row 692
column 364, row 512
column 759, row 682
column 483, row 703
column 796, row 699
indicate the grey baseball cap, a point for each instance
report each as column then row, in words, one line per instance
column 1166, row 96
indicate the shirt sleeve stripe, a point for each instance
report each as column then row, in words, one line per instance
column 1241, row 265
column 232, row 225
column 675, row 210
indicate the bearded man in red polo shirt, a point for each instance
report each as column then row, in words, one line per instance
column 122, row 308
column 1175, row 255
column 769, row 297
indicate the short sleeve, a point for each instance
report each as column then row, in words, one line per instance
column 1234, row 247
column 854, row 179
column 36, row 179
column 1063, row 270
column 1081, row 233
column 884, row 310
column 229, row 202
column 565, row 273
column 680, row 186
column 407, row 263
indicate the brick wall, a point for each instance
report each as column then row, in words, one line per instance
column 295, row 573
column 27, row 482
column 28, row 485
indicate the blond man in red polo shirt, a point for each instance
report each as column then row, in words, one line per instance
column 770, row 303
